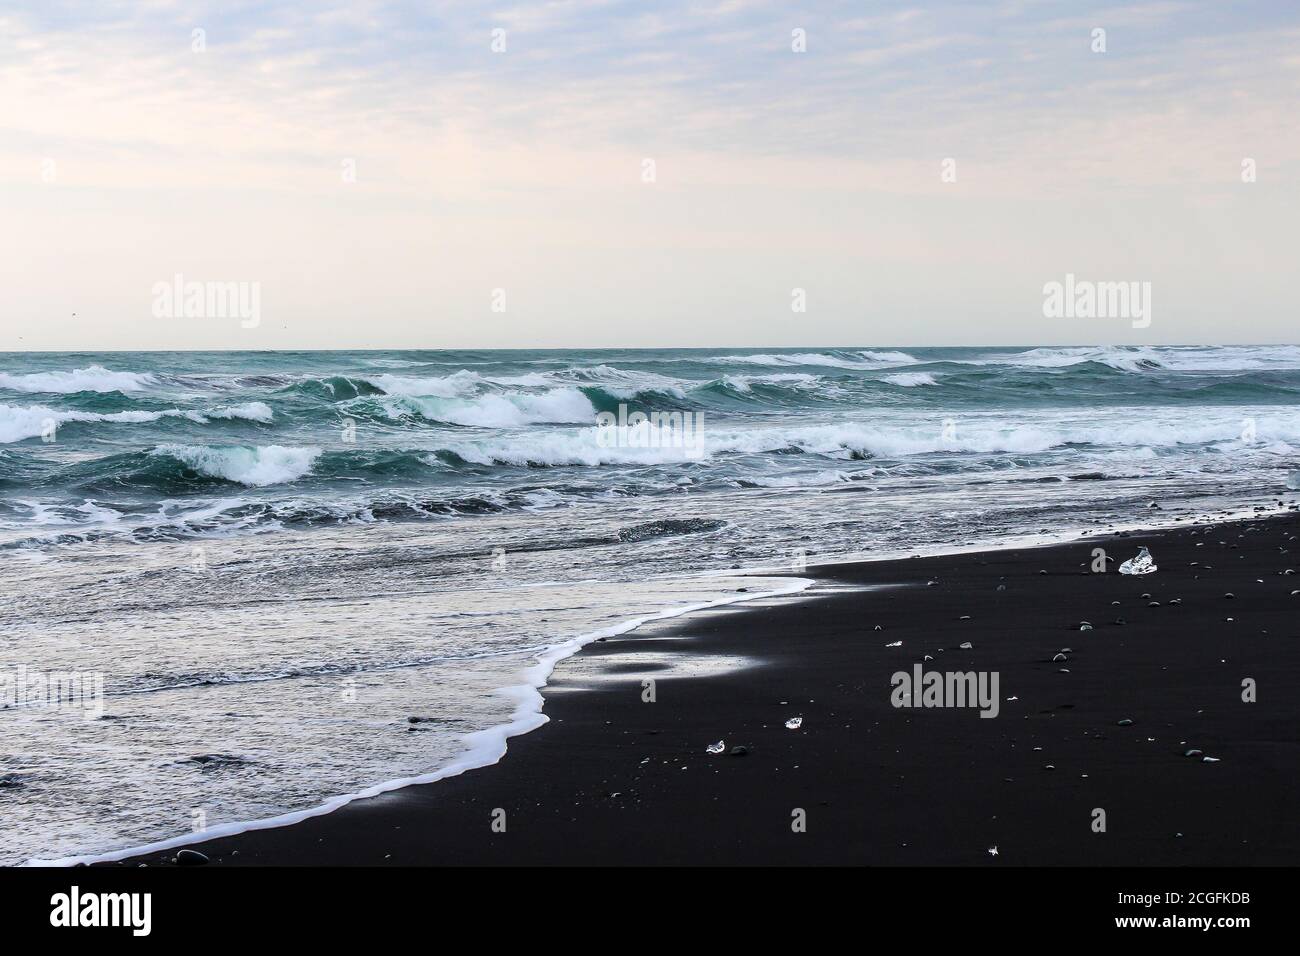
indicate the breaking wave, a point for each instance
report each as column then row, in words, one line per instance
column 557, row 406
column 861, row 359
column 94, row 378
column 910, row 379
column 21, row 422
column 254, row 467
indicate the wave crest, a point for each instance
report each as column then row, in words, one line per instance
column 255, row 467
column 910, row 379
column 94, row 378
column 19, row 422
column 490, row 410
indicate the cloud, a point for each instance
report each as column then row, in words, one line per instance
column 524, row 167
column 281, row 86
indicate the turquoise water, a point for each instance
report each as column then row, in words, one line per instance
column 174, row 445
column 276, row 559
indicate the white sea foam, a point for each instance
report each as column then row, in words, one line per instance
column 249, row 411
column 1128, row 430
column 620, row 383
column 558, row 406
column 988, row 436
column 394, row 363
column 901, row 358
column 868, row 360
column 482, row 748
column 448, row 386
column 19, row 422
column 1123, row 359
column 624, row 383
column 94, row 378
column 530, row 380
column 1148, row 358
column 910, row 379
column 255, row 467
column 818, row 479
column 745, row 383
column 1229, row 357
column 585, row 447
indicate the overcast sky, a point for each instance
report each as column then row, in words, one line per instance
column 133, row 149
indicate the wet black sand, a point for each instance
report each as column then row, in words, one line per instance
column 613, row 779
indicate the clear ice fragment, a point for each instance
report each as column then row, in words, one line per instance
column 1142, row 564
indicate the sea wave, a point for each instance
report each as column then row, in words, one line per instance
column 481, row 748
column 1121, row 358
column 94, row 378
column 858, row 359
column 489, row 410
column 1133, row 358
column 910, row 379
column 90, row 379
column 592, row 448
column 255, row 467
column 1229, row 358
column 456, row 385
column 744, row 384
column 21, row 422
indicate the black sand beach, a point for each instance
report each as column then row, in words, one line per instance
column 612, row 779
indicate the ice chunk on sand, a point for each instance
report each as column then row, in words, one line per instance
column 1142, row 564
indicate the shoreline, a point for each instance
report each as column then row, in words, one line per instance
column 527, row 716
column 575, row 721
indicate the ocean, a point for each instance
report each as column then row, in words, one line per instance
column 267, row 582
